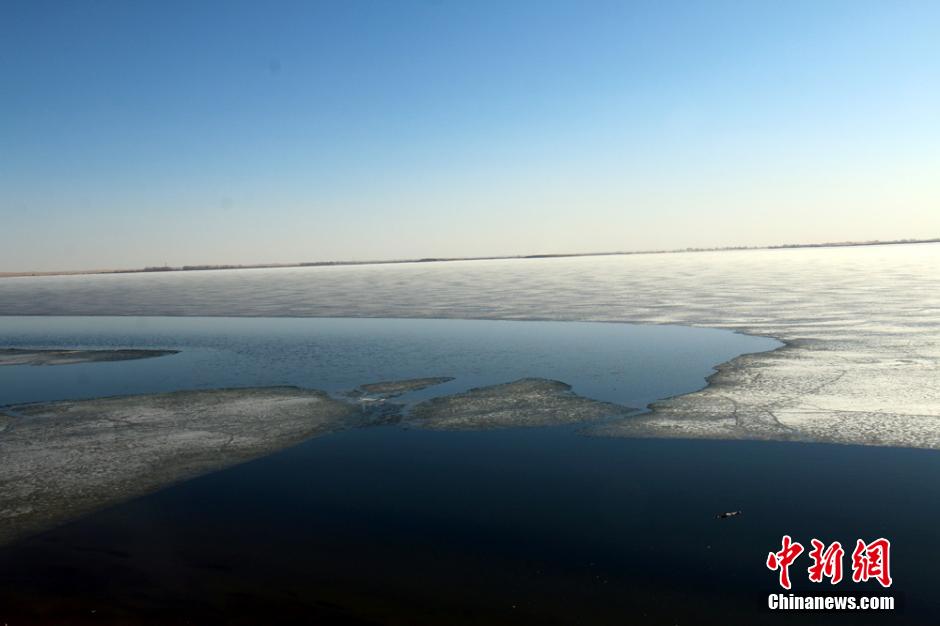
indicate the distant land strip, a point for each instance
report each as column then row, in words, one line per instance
column 194, row 268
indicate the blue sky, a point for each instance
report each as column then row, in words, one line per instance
column 136, row 133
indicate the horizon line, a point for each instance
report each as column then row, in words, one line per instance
column 208, row 267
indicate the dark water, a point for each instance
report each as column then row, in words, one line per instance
column 385, row 525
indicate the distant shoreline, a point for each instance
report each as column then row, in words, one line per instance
column 196, row 268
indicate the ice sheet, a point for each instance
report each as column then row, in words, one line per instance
column 862, row 324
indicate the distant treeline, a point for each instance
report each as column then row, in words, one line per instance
column 873, row 242
column 836, row 244
column 187, row 268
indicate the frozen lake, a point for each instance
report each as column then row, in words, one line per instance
column 405, row 525
column 863, row 323
column 514, row 525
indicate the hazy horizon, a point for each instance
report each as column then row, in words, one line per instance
column 238, row 133
column 414, row 259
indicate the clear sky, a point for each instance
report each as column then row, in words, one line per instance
column 143, row 133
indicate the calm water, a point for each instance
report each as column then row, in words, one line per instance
column 629, row 364
column 385, row 525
